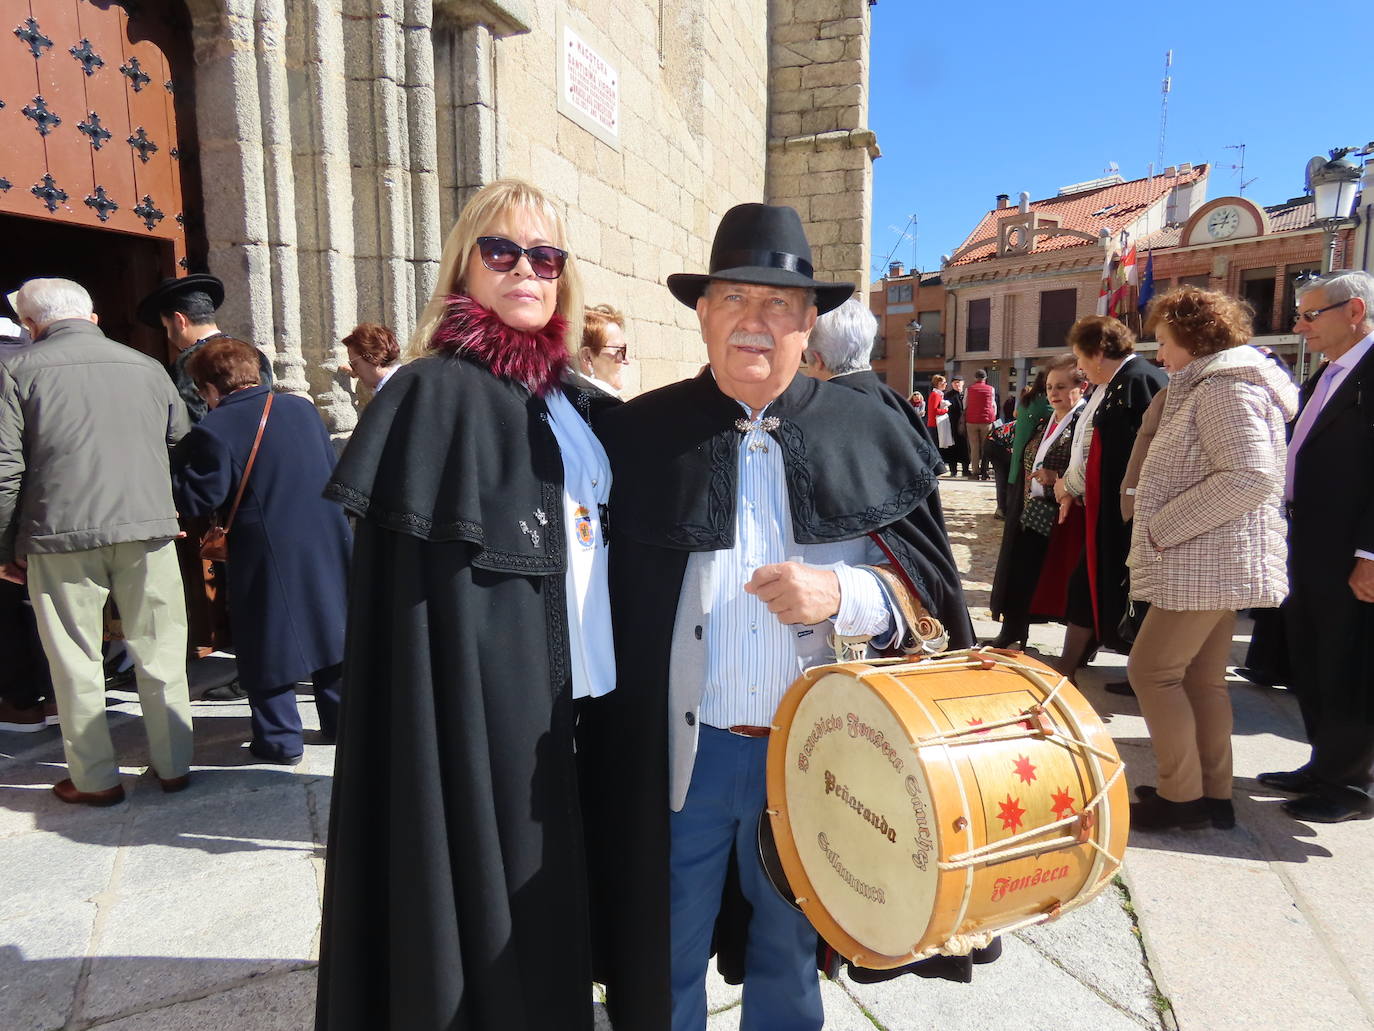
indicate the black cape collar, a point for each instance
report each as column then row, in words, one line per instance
column 852, row 465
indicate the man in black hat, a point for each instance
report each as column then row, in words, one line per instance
column 752, row 529
column 185, row 309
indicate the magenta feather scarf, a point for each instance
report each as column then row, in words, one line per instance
column 535, row 359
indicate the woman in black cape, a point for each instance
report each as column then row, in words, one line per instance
column 455, row 894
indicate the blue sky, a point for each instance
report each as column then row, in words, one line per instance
column 970, row 100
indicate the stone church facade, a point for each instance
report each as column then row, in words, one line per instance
column 324, row 148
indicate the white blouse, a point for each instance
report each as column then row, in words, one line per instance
column 586, row 487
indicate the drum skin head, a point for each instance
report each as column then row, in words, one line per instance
column 885, row 782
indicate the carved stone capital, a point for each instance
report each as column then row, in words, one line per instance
column 503, row 17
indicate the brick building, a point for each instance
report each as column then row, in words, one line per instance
column 900, row 299
column 315, row 155
column 1027, row 272
column 1252, row 252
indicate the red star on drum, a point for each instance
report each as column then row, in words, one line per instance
column 1025, row 769
column 1063, row 804
column 1011, row 813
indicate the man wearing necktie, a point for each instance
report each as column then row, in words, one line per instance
column 1329, row 487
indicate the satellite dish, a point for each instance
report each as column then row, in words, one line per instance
column 1315, row 165
column 944, row 259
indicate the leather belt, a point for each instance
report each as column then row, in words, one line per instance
column 744, row 730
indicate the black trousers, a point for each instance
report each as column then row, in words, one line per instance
column 1023, row 576
column 1328, row 672
column 24, row 677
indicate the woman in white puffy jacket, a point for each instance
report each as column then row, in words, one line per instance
column 1209, row 538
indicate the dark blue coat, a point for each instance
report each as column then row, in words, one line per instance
column 288, row 547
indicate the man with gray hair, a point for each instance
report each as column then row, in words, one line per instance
column 1329, row 613
column 86, row 513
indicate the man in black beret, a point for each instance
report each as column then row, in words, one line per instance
column 185, row 309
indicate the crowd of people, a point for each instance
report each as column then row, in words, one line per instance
column 548, row 629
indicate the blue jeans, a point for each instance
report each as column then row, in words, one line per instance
column 727, row 794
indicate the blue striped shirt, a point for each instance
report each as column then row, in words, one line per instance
column 752, row 658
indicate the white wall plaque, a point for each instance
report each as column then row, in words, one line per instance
column 588, row 87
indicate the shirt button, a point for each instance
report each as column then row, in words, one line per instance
column 754, row 627
column 753, row 690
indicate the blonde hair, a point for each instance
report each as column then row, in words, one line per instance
column 488, row 206
column 598, row 318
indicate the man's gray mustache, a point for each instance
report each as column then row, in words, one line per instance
column 762, row 341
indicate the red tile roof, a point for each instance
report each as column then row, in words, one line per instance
column 1284, row 218
column 1124, row 203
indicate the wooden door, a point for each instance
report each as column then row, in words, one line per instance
column 88, row 122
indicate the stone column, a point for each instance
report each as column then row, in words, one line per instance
column 229, row 123
column 820, row 151
column 280, row 193
column 324, row 204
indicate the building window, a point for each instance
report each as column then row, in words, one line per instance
column 898, row 293
column 1257, row 288
column 879, row 346
column 931, row 342
column 1058, row 309
column 1202, row 282
column 980, row 324
column 1290, row 288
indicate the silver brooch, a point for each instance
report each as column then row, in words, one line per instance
column 767, row 425
column 532, row 534
column 543, row 519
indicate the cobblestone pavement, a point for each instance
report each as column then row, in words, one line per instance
column 201, row 910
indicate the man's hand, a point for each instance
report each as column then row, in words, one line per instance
column 15, row 572
column 1045, row 477
column 796, row 593
column 1361, row 579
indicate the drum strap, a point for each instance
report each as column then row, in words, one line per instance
column 926, row 634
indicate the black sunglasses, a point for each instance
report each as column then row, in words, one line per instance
column 502, row 255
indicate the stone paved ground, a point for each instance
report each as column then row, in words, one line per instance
column 201, row 910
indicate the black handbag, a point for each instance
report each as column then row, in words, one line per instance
column 1132, row 620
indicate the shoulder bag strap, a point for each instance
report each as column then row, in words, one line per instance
column 248, row 469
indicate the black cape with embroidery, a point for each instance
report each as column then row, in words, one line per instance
column 455, row 893
column 851, row 466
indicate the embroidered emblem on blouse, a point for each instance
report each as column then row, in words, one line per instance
column 582, row 523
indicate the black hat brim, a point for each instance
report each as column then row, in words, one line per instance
column 150, row 309
column 688, row 287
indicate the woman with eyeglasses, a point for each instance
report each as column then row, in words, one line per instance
column 604, row 353
column 478, row 627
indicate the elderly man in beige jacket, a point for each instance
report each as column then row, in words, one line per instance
column 86, row 513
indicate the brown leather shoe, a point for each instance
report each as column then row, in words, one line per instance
column 67, row 791
column 174, row 784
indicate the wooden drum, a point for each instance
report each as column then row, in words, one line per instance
column 925, row 807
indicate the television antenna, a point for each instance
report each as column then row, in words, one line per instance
column 1240, row 167
column 902, row 234
column 1165, row 87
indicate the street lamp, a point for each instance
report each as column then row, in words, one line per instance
column 913, row 336
column 1334, row 186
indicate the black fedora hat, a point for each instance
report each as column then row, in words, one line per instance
column 150, row 309
column 763, row 244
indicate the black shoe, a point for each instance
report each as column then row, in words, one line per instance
column 275, row 758
column 999, row 515
column 1320, row 809
column 230, row 692
column 1221, row 810
column 1006, row 639
column 1297, row 782
column 1159, row 814
column 989, row 953
column 120, row 679
column 1256, row 676
column 1121, row 687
